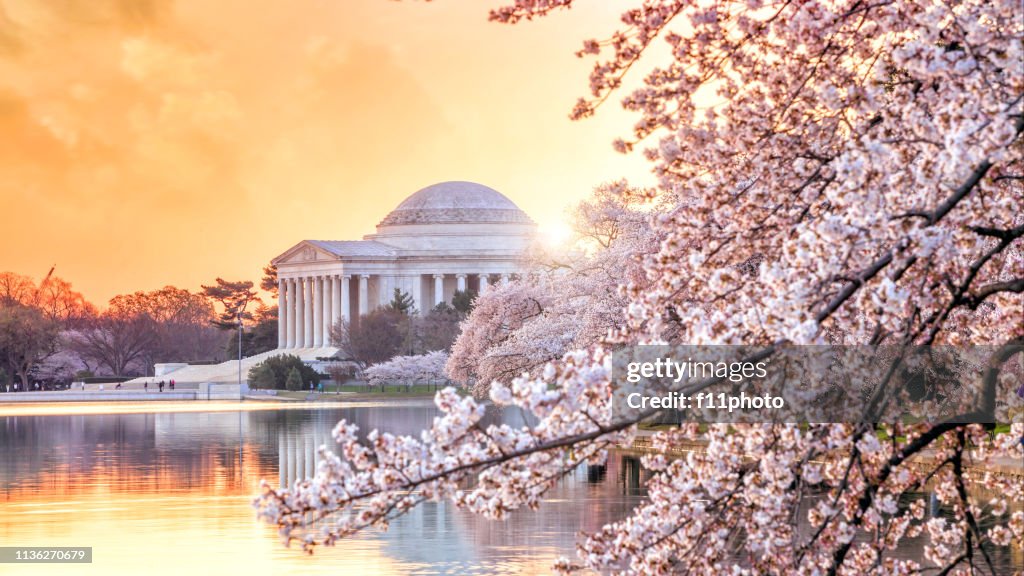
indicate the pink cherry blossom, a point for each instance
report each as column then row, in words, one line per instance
column 841, row 172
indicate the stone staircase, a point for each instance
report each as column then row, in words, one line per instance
column 189, row 377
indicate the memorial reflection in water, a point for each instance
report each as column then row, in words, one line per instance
column 173, row 491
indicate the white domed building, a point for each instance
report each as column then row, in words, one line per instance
column 446, row 237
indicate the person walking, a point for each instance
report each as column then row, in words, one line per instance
column 161, row 386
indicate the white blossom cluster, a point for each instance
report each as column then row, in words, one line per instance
column 869, row 155
column 835, row 171
column 427, row 367
column 505, row 468
column 753, row 482
column 571, row 300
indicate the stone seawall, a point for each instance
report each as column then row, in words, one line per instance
column 202, row 392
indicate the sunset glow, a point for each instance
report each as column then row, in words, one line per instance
column 555, row 234
column 175, row 143
column 395, row 287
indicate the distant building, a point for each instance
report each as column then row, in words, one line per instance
column 446, row 237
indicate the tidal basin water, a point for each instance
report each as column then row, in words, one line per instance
column 171, row 491
column 167, row 488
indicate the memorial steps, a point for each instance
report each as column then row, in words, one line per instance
column 225, row 372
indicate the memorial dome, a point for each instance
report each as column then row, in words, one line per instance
column 456, row 202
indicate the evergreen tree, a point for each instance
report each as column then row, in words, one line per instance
column 234, row 298
column 269, row 281
column 273, row 373
column 262, row 378
column 463, row 300
column 260, row 337
column 402, row 303
column 294, row 382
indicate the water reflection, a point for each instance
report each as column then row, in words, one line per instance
column 170, row 492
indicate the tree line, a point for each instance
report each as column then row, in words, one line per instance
column 50, row 334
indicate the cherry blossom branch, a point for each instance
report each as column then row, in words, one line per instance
column 961, row 489
column 932, row 218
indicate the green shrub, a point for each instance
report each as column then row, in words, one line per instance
column 294, row 382
column 273, row 373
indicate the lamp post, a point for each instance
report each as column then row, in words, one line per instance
column 240, row 442
column 240, row 351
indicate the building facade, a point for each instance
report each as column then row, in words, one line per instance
column 446, row 237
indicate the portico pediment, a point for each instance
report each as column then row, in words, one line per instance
column 304, row 251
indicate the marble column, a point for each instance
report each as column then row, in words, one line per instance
column 364, row 294
column 318, row 312
column 386, row 286
column 346, row 300
column 438, row 289
column 461, row 282
column 300, row 312
column 328, row 309
column 483, row 283
column 282, row 328
column 504, row 279
column 330, row 287
column 307, row 312
column 336, row 302
column 289, row 310
column 417, row 293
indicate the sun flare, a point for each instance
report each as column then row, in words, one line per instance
column 555, row 234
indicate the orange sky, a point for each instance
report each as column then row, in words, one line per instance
column 148, row 143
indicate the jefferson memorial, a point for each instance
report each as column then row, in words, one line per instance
column 446, row 237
